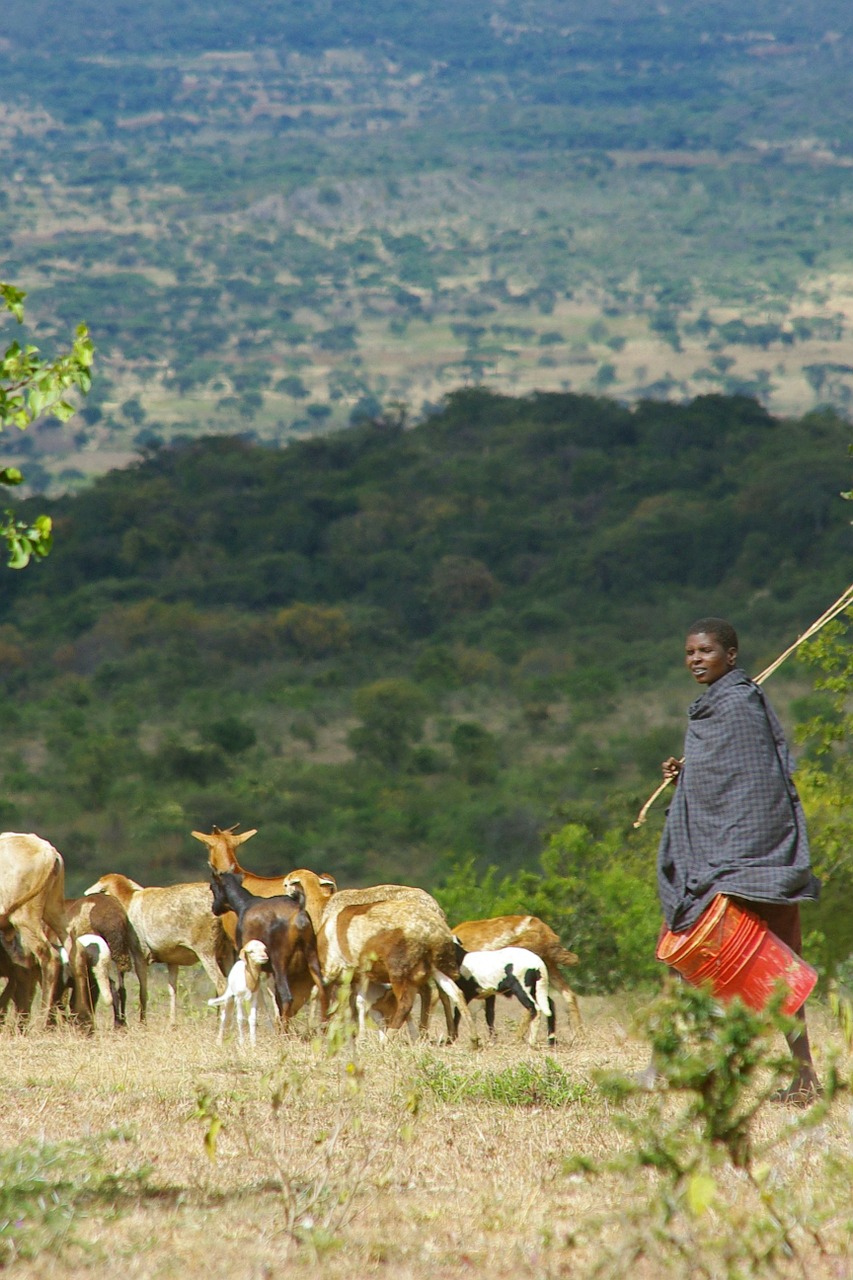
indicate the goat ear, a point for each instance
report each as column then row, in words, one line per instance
column 199, row 835
column 328, row 883
column 246, row 835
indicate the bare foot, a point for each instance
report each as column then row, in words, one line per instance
column 801, row 1092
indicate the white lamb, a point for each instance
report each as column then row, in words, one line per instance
column 244, row 990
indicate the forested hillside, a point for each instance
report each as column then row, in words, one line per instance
column 401, row 653
column 277, row 217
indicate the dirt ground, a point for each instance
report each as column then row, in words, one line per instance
column 158, row 1153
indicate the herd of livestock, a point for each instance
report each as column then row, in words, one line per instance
column 387, row 945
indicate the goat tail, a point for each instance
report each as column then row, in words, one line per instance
column 565, row 957
column 217, row 1000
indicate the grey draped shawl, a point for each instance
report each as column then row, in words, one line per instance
column 735, row 824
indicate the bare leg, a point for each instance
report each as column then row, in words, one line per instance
column 805, row 1087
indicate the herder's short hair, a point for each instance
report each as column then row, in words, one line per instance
column 716, row 627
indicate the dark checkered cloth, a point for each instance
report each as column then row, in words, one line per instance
column 735, row 825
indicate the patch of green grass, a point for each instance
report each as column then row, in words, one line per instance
column 521, row 1085
column 44, row 1189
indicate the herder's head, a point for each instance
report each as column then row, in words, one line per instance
column 710, row 650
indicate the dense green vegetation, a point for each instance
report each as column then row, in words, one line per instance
column 439, row 632
column 273, row 215
column 414, row 654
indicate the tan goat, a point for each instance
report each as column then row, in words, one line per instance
column 32, row 914
column 534, row 935
column 175, row 927
column 400, row 893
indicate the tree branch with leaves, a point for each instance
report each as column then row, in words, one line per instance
column 31, row 386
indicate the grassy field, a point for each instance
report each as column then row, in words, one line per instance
column 156, row 1153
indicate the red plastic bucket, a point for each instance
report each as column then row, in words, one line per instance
column 732, row 950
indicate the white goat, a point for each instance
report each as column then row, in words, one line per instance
column 509, row 971
column 244, row 988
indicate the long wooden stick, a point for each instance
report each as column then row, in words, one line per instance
column 844, row 601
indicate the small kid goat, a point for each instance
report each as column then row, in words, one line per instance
column 244, row 988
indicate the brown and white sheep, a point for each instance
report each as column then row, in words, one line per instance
column 102, row 914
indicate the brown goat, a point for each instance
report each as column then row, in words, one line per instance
column 534, row 935
column 222, row 856
column 283, row 925
column 399, row 893
column 20, row 989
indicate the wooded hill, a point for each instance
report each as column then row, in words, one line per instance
column 273, row 215
column 401, row 652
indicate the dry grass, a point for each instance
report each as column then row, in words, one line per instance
column 327, row 1169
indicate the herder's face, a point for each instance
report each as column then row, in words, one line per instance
column 706, row 658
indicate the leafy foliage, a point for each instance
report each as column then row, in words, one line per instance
column 598, row 895
column 826, row 778
column 31, row 386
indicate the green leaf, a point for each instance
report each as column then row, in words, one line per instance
column 63, row 410
column 14, row 300
column 210, row 1138
column 37, row 400
column 19, row 552
column 701, row 1192
column 10, row 475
